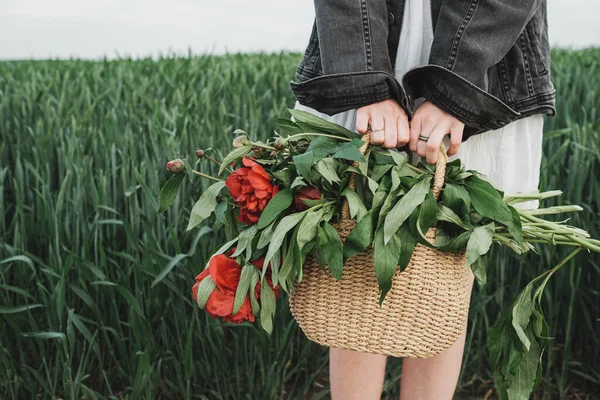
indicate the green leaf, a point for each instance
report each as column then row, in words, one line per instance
column 131, row 300
column 44, row 335
column 349, row 151
column 326, row 167
column 307, row 230
column 220, row 211
column 265, row 236
column 523, row 383
column 267, row 306
column 292, row 263
column 170, row 265
column 479, row 242
column 303, row 163
column 321, row 125
column 21, row 258
column 284, row 175
column 446, row 214
column 386, row 261
column 407, row 246
column 521, row 313
column 279, row 203
column 205, row 289
column 205, row 205
column 379, row 170
column 454, row 244
column 456, row 198
column 189, row 170
column 288, row 261
column 488, row 202
column 383, row 189
column 357, row 208
column 400, row 158
column 516, row 229
column 427, row 212
column 222, row 249
column 478, row 268
column 245, row 242
column 516, row 343
column 242, row 290
column 298, row 181
column 286, row 127
column 321, row 146
column 168, row 193
column 390, row 198
column 284, row 226
column 253, row 301
column 405, row 207
column 233, row 156
column 18, row 309
column 331, row 245
column 362, row 235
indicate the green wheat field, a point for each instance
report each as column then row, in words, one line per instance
column 95, row 298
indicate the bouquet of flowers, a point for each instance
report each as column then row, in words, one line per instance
column 278, row 200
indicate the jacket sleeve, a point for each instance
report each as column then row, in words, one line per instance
column 469, row 38
column 356, row 65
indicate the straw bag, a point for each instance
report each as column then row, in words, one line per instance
column 422, row 315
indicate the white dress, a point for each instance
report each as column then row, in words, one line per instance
column 509, row 157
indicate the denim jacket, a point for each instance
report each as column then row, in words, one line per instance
column 489, row 62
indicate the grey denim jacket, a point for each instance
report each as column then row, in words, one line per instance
column 489, row 62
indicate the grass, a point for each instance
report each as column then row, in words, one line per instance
column 95, row 287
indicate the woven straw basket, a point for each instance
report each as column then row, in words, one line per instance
column 422, row 315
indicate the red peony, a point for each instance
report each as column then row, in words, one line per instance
column 307, row 193
column 226, row 272
column 251, row 188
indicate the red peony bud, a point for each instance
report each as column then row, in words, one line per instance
column 258, row 151
column 199, row 153
column 175, row 166
column 308, row 193
column 278, row 145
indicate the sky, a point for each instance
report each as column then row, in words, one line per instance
column 141, row 28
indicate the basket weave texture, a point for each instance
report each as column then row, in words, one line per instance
column 422, row 315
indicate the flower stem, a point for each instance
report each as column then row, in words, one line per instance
column 521, row 197
column 554, row 210
column 264, row 146
column 209, row 158
column 207, row 176
column 300, row 135
column 557, row 267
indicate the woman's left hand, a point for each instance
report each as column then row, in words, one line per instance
column 434, row 123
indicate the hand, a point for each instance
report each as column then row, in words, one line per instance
column 389, row 123
column 434, row 123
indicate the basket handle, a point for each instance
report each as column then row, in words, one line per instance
column 438, row 181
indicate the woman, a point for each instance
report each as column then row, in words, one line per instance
column 470, row 78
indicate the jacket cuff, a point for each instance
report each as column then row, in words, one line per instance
column 338, row 92
column 476, row 108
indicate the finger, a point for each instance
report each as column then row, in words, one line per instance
column 415, row 131
column 456, row 134
column 377, row 124
column 435, row 140
column 391, row 132
column 426, row 130
column 362, row 121
column 403, row 132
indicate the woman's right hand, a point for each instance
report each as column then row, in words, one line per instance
column 389, row 123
